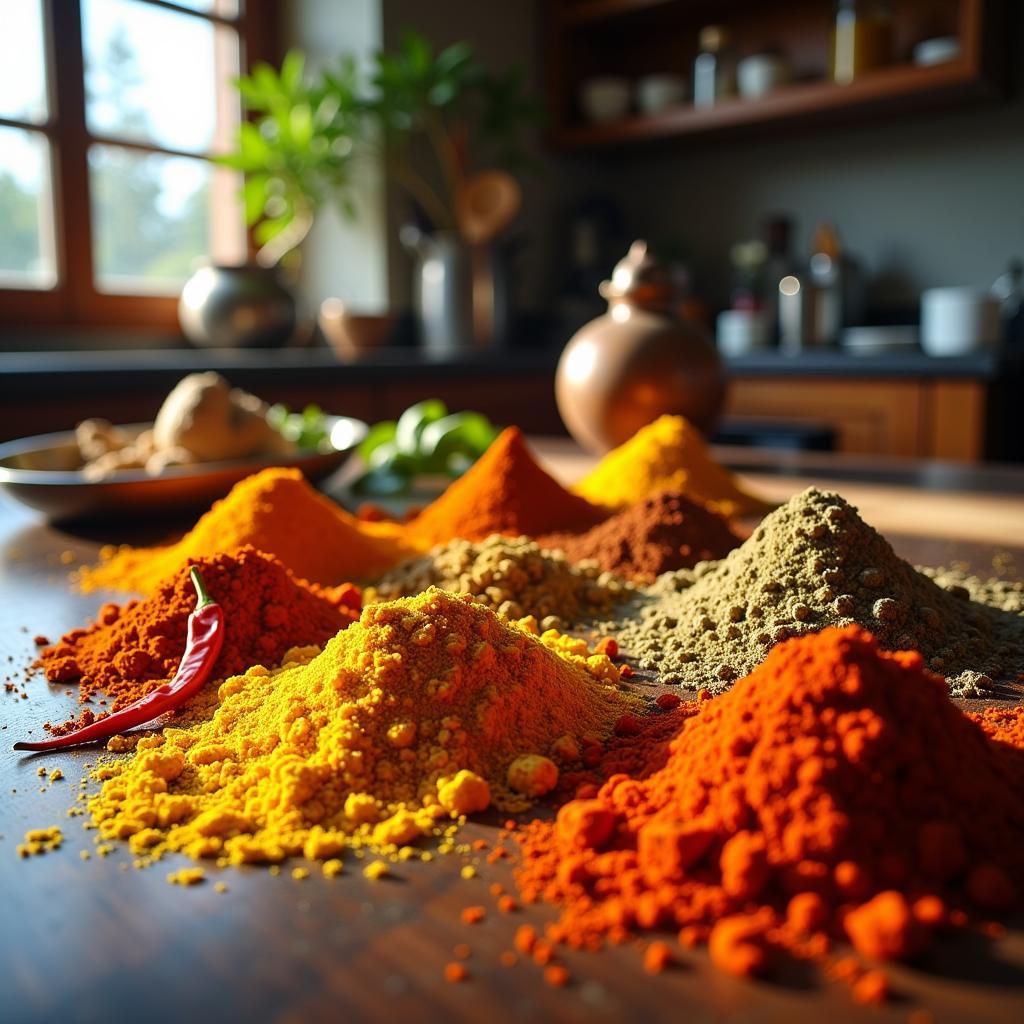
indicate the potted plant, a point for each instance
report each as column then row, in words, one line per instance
column 429, row 120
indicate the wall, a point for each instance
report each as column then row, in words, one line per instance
column 342, row 258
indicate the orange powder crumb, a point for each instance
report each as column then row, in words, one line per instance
column 462, row 951
column 525, row 938
column 872, row 988
column 455, row 972
column 556, row 976
column 473, row 915
column 507, row 905
column 508, row 959
column 657, row 957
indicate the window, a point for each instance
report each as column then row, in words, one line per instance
column 110, row 111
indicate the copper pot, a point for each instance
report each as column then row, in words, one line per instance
column 637, row 362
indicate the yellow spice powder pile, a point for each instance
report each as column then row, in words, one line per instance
column 411, row 717
column 668, row 455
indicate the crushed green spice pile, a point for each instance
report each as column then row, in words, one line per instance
column 810, row 564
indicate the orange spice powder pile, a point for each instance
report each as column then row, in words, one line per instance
column 129, row 650
column 507, row 492
column 275, row 511
column 835, row 794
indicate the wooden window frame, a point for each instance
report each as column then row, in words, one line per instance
column 74, row 300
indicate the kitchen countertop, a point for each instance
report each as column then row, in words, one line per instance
column 23, row 374
column 92, row 940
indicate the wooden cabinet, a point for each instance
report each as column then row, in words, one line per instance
column 587, row 39
column 922, row 418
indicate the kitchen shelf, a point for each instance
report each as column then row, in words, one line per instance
column 633, row 38
column 907, row 86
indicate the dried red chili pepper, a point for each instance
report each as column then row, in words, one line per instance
column 202, row 648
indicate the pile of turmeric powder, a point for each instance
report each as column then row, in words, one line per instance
column 512, row 575
column 668, row 455
column 275, row 511
column 832, row 793
column 426, row 709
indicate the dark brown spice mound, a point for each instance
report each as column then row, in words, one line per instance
column 131, row 649
column 662, row 533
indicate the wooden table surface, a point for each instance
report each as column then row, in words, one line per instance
column 99, row 940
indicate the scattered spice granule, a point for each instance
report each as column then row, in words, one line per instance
column 300, row 873
column 455, row 972
column 55, row 775
column 872, row 988
column 543, row 954
column 40, row 840
column 496, row 889
column 376, row 870
column 507, row 905
column 473, row 915
column 274, row 869
column 468, row 872
column 508, row 958
column 220, row 887
column 40, row 640
column 657, row 957
column 332, row 868
column 525, row 939
column 84, row 854
column 186, row 876
column 462, row 951
column 556, row 976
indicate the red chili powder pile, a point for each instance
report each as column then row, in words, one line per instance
column 504, row 491
column 131, row 649
column 659, row 534
column 835, row 793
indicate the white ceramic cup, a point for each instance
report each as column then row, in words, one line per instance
column 739, row 331
column 658, row 93
column 759, row 74
column 605, row 98
column 956, row 321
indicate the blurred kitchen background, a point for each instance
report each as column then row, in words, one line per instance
column 834, row 189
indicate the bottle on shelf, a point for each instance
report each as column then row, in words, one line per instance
column 836, row 299
column 714, row 69
column 1008, row 290
column 779, row 263
column 861, row 38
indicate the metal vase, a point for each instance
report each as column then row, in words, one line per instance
column 461, row 292
column 243, row 306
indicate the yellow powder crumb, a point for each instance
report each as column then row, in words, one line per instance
column 186, row 876
column 275, row 869
column 332, row 868
column 468, row 872
column 220, row 887
column 376, row 870
column 300, row 873
column 84, row 854
column 41, row 771
column 40, row 840
column 67, row 557
column 533, row 775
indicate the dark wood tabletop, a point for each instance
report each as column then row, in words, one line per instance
column 97, row 939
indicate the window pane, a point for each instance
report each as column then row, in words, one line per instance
column 154, row 217
column 26, row 220
column 22, row 61
column 154, row 75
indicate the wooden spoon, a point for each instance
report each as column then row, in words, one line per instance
column 485, row 204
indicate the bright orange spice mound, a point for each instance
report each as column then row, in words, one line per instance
column 835, row 793
column 276, row 511
column 131, row 649
column 505, row 492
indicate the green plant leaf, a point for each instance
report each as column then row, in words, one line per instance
column 379, row 433
column 254, row 197
column 291, row 71
column 414, row 420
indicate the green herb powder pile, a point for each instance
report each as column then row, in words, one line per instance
column 810, row 564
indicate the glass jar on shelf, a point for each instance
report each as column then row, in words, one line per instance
column 714, row 69
column 861, row 38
